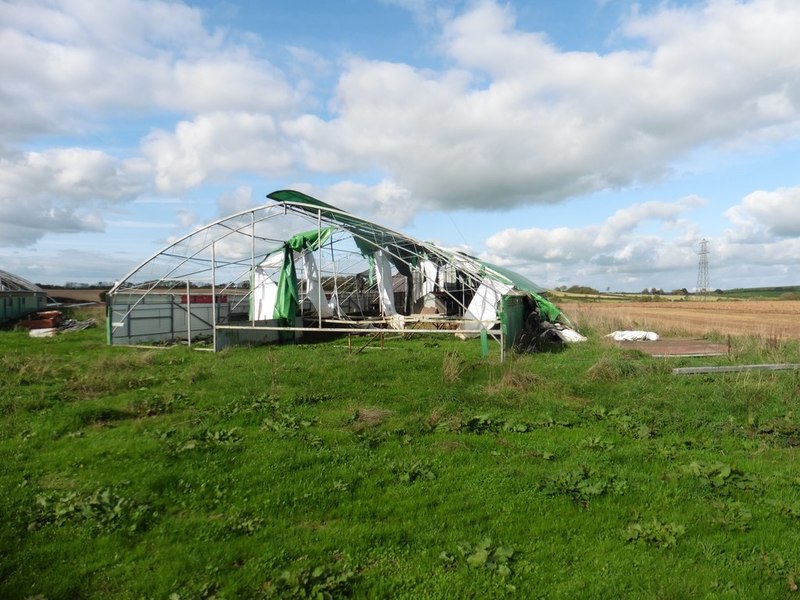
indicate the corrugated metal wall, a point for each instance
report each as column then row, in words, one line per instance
column 512, row 319
column 135, row 319
column 14, row 305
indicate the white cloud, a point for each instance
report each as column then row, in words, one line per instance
column 622, row 249
column 71, row 70
column 69, row 263
column 763, row 213
column 235, row 201
column 511, row 120
column 66, row 64
column 186, row 219
column 613, row 241
column 385, row 203
column 516, row 120
column 757, row 249
column 216, row 144
column 61, row 190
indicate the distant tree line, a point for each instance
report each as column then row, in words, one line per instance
column 73, row 285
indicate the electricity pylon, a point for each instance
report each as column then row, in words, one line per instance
column 703, row 284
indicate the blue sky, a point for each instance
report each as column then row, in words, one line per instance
column 591, row 142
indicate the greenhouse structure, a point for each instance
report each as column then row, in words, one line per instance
column 298, row 268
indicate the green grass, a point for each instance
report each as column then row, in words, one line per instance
column 418, row 471
column 791, row 292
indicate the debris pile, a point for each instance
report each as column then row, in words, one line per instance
column 48, row 319
column 49, row 323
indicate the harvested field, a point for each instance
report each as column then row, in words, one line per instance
column 767, row 319
column 76, row 295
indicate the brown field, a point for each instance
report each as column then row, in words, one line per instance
column 762, row 318
column 75, row 295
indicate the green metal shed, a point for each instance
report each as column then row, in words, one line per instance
column 19, row 297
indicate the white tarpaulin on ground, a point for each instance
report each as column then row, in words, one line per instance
column 633, row 336
column 570, row 335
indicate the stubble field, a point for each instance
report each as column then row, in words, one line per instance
column 765, row 319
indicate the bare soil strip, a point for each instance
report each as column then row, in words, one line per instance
column 678, row 347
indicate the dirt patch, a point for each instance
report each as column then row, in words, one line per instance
column 70, row 295
column 678, row 347
column 370, row 417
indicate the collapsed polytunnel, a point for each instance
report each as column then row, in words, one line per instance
column 300, row 268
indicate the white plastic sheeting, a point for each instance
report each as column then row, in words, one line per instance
column 424, row 279
column 570, row 335
column 634, row 336
column 383, row 279
column 315, row 293
column 483, row 307
column 265, row 289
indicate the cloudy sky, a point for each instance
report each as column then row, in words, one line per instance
column 591, row 142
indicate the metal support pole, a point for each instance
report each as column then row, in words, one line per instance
column 252, row 267
column 320, row 291
column 188, row 313
column 214, row 294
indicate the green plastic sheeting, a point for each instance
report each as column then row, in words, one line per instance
column 287, row 300
column 369, row 237
column 310, row 240
column 549, row 310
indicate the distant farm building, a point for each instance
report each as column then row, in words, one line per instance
column 19, row 297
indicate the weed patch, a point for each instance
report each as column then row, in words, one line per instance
column 581, row 485
column 157, row 405
column 516, row 380
column 481, row 424
column 323, row 582
column 733, row 516
column 654, row 533
column 310, row 399
column 721, row 477
column 611, row 369
column 484, row 556
column 418, row 471
column 624, row 423
column 285, row 424
column 103, row 509
column 781, row 432
column 453, row 365
column 785, row 571
column 212, row 438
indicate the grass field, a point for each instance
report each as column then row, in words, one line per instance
column 417, row 471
